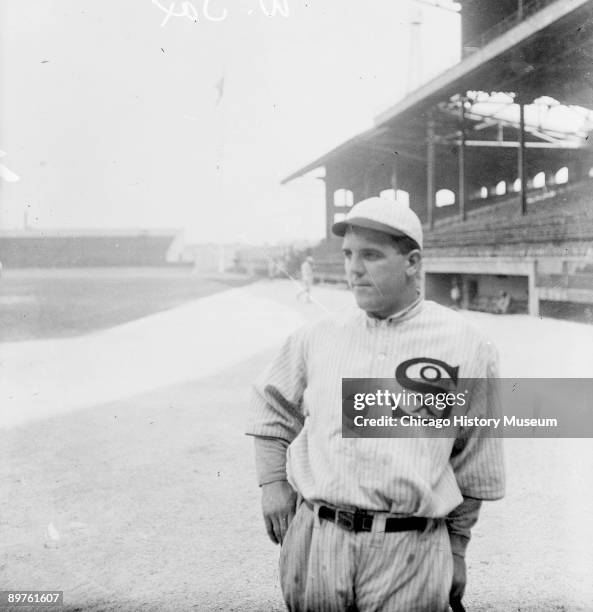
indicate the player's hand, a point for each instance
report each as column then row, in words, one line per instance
column 278, row 501
column 458, row 584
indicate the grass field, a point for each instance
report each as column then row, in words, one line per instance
column 55, row 303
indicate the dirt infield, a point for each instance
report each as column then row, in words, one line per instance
column 148, row 501
column 153, row 499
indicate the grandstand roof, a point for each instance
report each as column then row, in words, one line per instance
column 547, row 52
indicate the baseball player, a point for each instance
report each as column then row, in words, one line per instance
column 374, row 523
column 306, row 278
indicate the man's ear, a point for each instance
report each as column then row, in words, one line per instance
column 413, row 262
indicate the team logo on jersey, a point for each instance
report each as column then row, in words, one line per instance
column 432, row 378
column 427, row 375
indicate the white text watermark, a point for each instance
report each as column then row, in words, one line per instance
column 216, row 10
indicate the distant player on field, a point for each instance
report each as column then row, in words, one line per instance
column 306, row 278
column 376, row 523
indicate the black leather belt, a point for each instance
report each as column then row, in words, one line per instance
column 360, row 520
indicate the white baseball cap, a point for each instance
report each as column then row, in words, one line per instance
column 384, row 215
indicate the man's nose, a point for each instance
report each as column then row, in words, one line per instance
column 356, row 266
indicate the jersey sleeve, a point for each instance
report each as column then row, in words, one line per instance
column 277, row 395
column 270, row 459
column 477, row 456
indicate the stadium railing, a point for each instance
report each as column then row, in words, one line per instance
column 529, row 8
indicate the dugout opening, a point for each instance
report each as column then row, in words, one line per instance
column 496, row 293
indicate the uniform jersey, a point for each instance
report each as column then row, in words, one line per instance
column 299, row 399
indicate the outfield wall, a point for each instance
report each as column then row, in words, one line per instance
column 30, row 249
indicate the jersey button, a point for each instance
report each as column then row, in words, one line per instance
column 382, row 356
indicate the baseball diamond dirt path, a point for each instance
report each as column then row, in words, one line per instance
column 143, row 497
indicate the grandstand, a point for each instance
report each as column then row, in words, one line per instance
column 494, row 156
column 85, row 248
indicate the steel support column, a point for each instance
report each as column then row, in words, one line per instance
column 521, row 158
column 430, row 151
column 533, row 292
column 394, row 183
column 329, row 207
column 366, row 184
column 461, row 161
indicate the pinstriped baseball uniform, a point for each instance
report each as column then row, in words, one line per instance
column 323, row 568
column 298, row 399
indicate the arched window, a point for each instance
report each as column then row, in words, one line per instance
column 483, row 192
column 343, row 197
column 539, row 180
column 517, row 185
column 403, row 197
column 501, row 188
column 444, row 197
column 561, row 176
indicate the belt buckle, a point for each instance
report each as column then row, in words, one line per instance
column 345, row 519
column 366, row 522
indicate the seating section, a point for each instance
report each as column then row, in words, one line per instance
column 558, row 222
column 552, row 217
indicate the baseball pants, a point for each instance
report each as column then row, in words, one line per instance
column 324, row 568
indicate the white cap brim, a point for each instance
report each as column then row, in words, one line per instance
column 339, row 228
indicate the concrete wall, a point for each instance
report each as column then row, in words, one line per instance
column 35, row 250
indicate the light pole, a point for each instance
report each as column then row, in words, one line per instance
column 415, row 53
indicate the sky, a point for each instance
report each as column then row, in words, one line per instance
column 111, row 113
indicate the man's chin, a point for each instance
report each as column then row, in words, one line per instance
column 366, row 303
